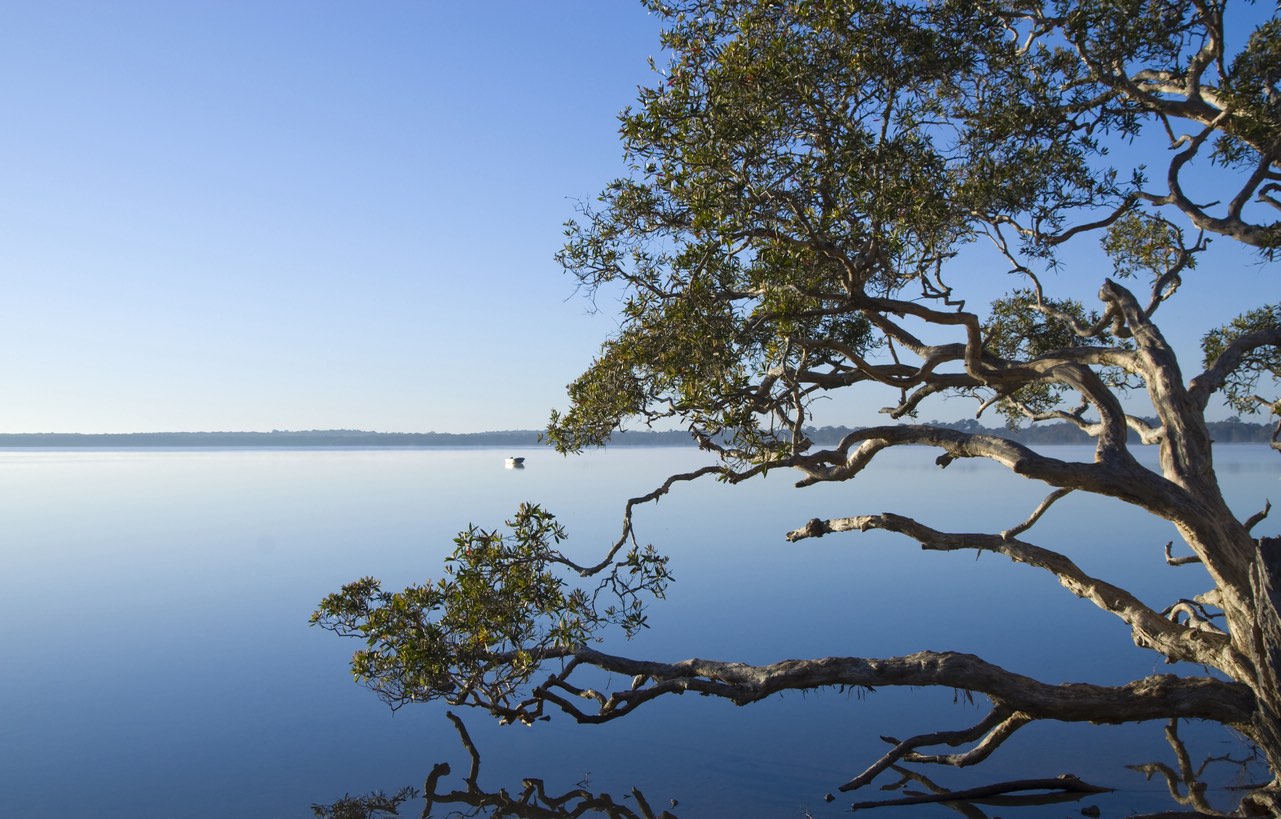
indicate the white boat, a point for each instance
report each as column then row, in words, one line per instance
column 515, row 463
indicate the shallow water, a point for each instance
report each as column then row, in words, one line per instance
column 158, row 660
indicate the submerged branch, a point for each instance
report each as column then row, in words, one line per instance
column 1065, row 784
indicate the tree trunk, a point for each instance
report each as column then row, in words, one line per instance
column 1266, row 651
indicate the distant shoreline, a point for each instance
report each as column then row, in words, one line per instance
column 1224, row 432
column 309, row 439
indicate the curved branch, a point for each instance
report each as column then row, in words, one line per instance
column 1120, row 478
column 1258, row 517
column 1040, row 510
column 903, row 748
column 1213, row 379
column 587, row 571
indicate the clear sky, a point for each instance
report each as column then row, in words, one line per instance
column 301, row 214
column 312, row 214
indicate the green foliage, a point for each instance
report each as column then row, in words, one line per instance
column 771, row 183
column 1022, row 327
column 1138, row 243
column 1264, row 362
column 478, row 635
column 800, row 165
column 1253, row 88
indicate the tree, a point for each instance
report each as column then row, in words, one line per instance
column 811, row 186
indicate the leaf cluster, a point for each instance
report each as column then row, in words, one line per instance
column 478, row 635
column 1261, row 363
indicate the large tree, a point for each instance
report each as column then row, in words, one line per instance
column 815, row 190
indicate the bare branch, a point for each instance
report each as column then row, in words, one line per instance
column 1193, row 615
column 1178, row 561
column 1044, row 507
column 1257, row 517
column 993, row 740
column 903, row 748
column 662, row 490
column 1148, row 628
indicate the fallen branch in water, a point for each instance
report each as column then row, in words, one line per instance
column 1063, row 784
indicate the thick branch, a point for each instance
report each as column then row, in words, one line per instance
column 1155, row 697
column 1123, row 479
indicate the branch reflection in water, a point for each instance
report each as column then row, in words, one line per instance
column 1187, row 785
column 1184, row 780
column 532, row 802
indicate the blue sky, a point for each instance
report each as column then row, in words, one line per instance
column 309, row 214
column 249, row 215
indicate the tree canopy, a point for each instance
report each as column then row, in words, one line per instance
column 814, row 190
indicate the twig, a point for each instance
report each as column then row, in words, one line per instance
column 1178, row 561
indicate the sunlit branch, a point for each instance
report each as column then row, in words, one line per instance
column 1050, row 500
column 1192, row 614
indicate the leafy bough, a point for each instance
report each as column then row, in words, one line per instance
column 477, row 636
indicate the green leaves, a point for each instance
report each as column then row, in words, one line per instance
column 478, row 635
column 1258, row 363
column 1023, row 327
column 801, row 171
column 1140, row 243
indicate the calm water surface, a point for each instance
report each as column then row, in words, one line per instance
column 158, row 663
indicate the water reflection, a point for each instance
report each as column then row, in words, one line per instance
column 1187, row 785
column 533, row 801
column 1195, row 790
column 175, row 587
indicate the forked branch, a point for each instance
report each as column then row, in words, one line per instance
column 1148, row 627
column 994, row 729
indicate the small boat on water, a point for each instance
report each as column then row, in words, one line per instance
column 515, row 463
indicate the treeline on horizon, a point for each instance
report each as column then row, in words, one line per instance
column 1231, row 431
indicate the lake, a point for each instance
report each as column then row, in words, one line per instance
column 158, row 661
